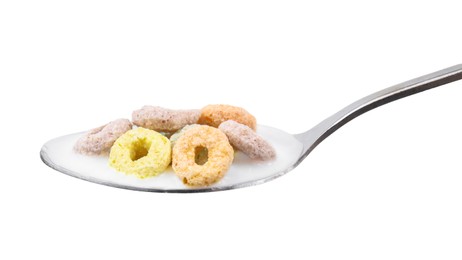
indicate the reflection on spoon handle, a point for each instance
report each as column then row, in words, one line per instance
column 318, row 133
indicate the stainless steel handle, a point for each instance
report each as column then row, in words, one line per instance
column 318, row 133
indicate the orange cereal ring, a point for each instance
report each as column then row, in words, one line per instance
column 219, row 152
column 214, row 115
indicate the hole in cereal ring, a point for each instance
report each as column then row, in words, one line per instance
column 201, row 155
column 140, row 150
column 185, row 181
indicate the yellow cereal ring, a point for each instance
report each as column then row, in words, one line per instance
column 214, row 115
column 219, row 152
column 141, row 152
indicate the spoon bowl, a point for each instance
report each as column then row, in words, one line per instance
column 59, row 155
column 291, row 149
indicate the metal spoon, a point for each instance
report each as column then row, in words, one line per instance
column 292, row 149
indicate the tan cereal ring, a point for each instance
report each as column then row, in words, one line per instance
column 164, row 120
column 220, row 156
column 99, row 140
column 247, row 141
column 214, row 115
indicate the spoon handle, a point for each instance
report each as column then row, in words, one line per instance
column 318, row 133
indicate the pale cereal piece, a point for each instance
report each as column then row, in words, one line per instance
column 163, row 119
column 246, row 140
column 194, row 140
column 214, row 115
column 167, row 134
column 141, row 152
column 179, row 133
column 98, row 141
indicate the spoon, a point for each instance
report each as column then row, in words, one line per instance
column 291, row 149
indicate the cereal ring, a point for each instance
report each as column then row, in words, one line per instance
column 246, row 140
column 214, row 115
column 142, row 152
column 164, row 120
column 220, row 156
column 99, row 140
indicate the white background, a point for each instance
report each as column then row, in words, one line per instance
column 385, row 186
